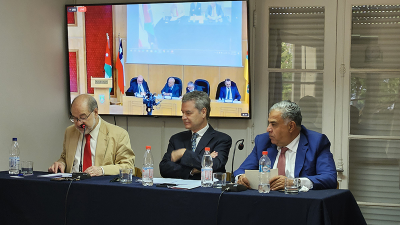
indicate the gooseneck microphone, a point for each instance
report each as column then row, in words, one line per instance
column 83, row 138
column 241, row 146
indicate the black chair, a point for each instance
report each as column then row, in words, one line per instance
column 133, row 80
column 178, row 82
column 202, row 85
column 233, row 84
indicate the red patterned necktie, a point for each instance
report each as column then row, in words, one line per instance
column 282, row 162
column 87, row 154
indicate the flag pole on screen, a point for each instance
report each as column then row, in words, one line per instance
column 107, row 61
column 120, row 67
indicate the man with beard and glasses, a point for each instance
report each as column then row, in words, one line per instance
column 106, row 147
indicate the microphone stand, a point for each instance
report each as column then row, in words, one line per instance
column 83, row 138
column 241, row 146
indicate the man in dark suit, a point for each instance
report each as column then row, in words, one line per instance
column 171, row 89
column 214, row 12
column 195, row 9
column 228, row 92
column 139, row 87
column 186, row 149
column 293, row 150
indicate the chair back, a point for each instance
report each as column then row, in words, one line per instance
column 233, row 84
column 202, row 85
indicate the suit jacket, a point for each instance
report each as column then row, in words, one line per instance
column 195, row 10
column 113, row 149
column 175, row 90
column 234, row 90
column 217, row 141
column 134, row 88
column 218, row 10
column 313, row 158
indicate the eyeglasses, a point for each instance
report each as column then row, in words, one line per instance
column 81, row 118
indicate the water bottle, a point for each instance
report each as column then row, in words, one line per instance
column 14, row 158
column 147, row 169
column 206, row 169
column 264, row 168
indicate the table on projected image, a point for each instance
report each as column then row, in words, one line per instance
column 35, row 200
column 134, row 106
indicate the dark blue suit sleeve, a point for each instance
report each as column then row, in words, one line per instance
column 323, row 175
column 237, row 94
column 221, row 144
column 169, row 169
column 252, row 160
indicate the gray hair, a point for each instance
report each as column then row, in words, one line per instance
column 201, row 100
column 90, row 101
column 290, row 111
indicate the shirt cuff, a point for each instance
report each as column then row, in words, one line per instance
column 102, row 170
column 237, row 177
column 306, row 182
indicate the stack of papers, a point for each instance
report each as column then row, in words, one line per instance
column 180, row 183
column 52, row 175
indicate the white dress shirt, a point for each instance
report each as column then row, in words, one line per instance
column 200, row 133
column 93, row 143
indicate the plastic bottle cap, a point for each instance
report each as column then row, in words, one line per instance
column 264, row 153
column 148, row 147
column 14, row 139
column 207, row 148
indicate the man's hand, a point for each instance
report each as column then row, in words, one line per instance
column 243, row 180
column 57, row 166
column 94, row 171
column 194, row 171
column 277, row 182
column 177, row 154
column 214, row 154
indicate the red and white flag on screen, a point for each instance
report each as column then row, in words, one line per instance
column 120, row 67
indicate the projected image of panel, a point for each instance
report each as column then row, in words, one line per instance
column 140, row 59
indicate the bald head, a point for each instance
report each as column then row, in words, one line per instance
column 171, row 82
column 85, row 101
column 139, row 79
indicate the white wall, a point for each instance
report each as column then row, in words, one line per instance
column 33, row 80
column 34, row 96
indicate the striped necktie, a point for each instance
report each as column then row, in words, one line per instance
column 194, row 137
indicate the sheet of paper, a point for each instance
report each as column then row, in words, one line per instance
column 252, row 176
column 52, row 175
column 180, row 183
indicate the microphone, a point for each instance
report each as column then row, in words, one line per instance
column 83, row 137
column 241, row 146
column 80, row 175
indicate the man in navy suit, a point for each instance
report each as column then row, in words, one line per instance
column 294, row 150
column 139, row 87
column 214, row 12
column 228, row 92
column 171, row 89
column 186, row 149
column 195, row 9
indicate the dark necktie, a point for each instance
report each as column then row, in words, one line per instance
column 229, row 94
column 87, row 154
column 282, row 162
column 194, row 137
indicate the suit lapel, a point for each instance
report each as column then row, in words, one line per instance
column 188, row 140
column 102, row 144
column 272, row 152
column 300, row 155
column 207, row 137
column 73, row 143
